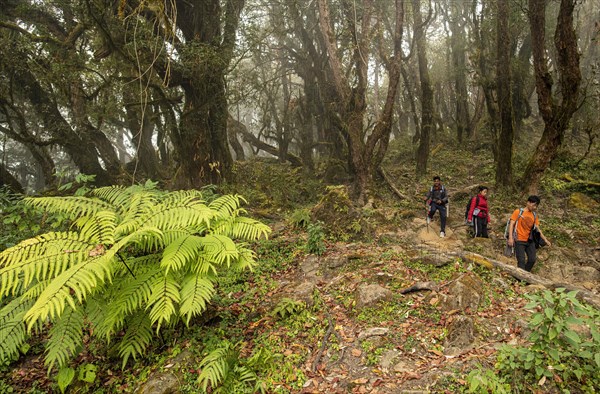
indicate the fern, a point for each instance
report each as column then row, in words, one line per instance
column 225, row 371
column 66, row 337
column 195, row 294
column 137, row 337
column 12, row 328
column 136, row 259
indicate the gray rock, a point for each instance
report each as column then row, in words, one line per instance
column 460, row 335
column 372, row 332
column 369, row 295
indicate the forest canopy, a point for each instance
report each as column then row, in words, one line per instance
column 177, row 91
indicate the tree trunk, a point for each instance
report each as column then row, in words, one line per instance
column 485, row 74
column 77, row 145
column 6, row 178
column 139, row 119
column 556, row 115
column 426, row 92
column 233, row 127
column 503, row 86
column 458, row 44
column 201, row 145
column 83, row 126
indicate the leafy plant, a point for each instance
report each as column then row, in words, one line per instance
column 300, row 218
column 316, row 239
column 557, row 352
column 225, row 371
column 136, row 260
column 82, row 182
column 288, row 307
column 484, row 381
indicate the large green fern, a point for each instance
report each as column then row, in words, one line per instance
column 136, row 260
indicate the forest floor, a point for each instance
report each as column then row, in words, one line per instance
column 314, row 318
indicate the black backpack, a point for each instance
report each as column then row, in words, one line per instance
column 468, row 208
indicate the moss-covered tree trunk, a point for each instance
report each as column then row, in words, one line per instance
column 555, row 110
column 426, row 92
column 503, row 82
column 201, row 146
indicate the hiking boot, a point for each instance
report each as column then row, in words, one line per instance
column 442, row 234
column 428, row 219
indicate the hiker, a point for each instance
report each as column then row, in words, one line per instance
column 478, row 215
column 436, row 200
column 520, row 226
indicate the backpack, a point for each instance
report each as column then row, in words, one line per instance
column 468, row 208
column 516, row 223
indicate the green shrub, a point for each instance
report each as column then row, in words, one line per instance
column 316, row 239
column 558, row 352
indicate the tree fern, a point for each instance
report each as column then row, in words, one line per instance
column 136, row 259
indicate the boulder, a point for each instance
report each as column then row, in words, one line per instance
column 369, row 295
column 460, row 335
column 465, row 294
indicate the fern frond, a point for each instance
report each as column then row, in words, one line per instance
column 196, row 291
column 40, row 258
column 243, row 228
column 191, row 214
column 73, row 206
column 180, row 252
column 216, row 365
column 219, row 249
column 100, row 227
column 246, row 260
column 174, row 197
column 79, row 279
column 66, row 337
column 12, row 328
column 137, row 337
column 228, row 204
column 165, row 294
column 132, row 295
column 120, row 197
column 138, row 207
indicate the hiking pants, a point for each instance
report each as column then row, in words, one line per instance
column 522, row 248
column 480, row 227
column 442, row 208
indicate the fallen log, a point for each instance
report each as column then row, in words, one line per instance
column 527, row 277
column 433, row 286
column 388, row 180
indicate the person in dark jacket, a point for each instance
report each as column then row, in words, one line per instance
column 478, row 216
column 436, row 200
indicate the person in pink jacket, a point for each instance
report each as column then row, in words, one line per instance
column 478, row 216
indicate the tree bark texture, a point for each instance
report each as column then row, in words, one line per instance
column 556, row 111
column 426, row 92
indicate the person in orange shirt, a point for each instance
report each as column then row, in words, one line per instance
column 520, row 226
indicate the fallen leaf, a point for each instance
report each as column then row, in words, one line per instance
column 356, row 352
column 542, row 381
